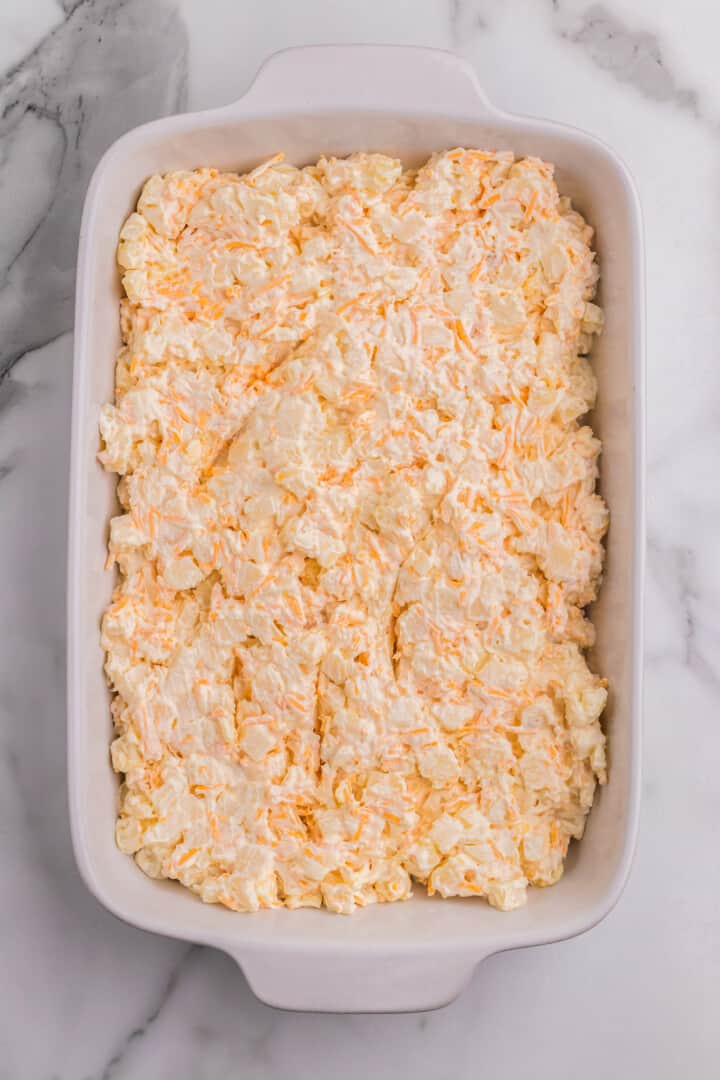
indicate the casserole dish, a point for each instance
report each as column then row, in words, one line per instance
column 406, row 102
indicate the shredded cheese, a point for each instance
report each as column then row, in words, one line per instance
column 360, row 530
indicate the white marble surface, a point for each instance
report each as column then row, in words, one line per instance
column 84, row 996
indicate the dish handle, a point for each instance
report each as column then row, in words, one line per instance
column 404, row 77
column 356, row 982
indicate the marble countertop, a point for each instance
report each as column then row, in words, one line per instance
column 86, row 997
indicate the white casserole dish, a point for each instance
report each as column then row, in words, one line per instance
column 407, row 102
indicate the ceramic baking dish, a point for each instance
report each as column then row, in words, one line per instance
column 407, row 102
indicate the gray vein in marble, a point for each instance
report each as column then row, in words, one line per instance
column 98, row 74
column 675, row 565
column 465, row 22
column 141, row 1030
column 630, row 56
column 11, row 393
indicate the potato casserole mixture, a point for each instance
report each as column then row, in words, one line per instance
column 360, row 530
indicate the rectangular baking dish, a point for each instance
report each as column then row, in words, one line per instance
column 407, row 102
